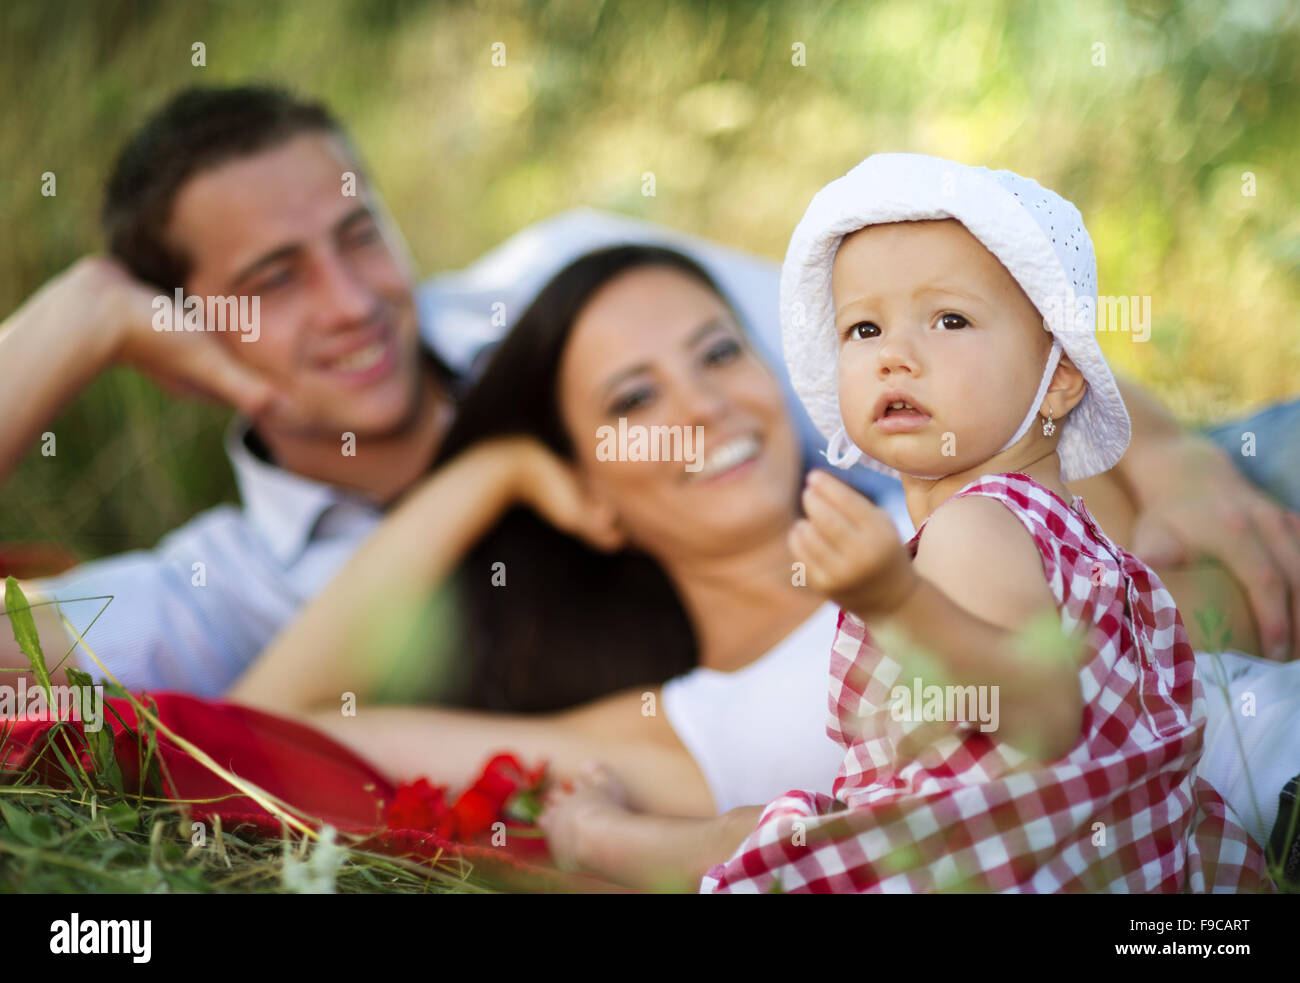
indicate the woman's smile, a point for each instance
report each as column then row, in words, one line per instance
column 731, row 458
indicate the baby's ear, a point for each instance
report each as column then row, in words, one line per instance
column 1065, row 390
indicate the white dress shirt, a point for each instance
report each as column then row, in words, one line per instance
column 192, row 613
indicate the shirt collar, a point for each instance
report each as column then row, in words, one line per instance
column 281, row 506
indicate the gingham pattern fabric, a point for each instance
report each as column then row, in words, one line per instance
column 1124, row 811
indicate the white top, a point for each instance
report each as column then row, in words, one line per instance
column 760, row 731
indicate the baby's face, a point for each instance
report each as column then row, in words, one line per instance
column 926, row 315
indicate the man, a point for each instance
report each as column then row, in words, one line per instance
column 239, row 192
column 244, row 191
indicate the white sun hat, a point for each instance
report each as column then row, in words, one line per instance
column 1036, row 234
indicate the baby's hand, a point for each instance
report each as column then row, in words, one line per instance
column 575, row 811
column 850, row 548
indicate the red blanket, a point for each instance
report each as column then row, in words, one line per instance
column 294, row 763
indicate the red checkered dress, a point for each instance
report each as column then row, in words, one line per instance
column 1123, row 811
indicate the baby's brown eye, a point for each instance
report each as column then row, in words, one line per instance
column 952, row 321
column 864, row 329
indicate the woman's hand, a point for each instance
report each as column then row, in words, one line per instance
column 553, row 489
column 577, row 810
column 850, row 548
column 589, row 827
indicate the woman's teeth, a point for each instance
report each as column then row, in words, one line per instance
column 731, row 454
column 361, row 359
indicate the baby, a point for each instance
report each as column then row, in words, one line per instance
column 939, row 324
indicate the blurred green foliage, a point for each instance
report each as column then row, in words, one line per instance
column 1153, row 145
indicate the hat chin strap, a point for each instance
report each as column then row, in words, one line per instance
column 841, row 452
column 1053, row 357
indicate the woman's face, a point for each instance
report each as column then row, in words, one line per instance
column 657, row 349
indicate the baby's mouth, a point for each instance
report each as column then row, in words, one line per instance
column 897, row 403
column 901, row 408
column 896, row 412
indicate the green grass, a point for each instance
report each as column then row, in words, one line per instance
column 91, row 834
column 54, row 842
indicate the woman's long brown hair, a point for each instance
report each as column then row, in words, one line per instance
column 571, row 623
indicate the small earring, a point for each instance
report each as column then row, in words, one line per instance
column 1049, row 427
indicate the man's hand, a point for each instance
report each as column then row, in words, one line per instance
column 1192, row 503
column 88, row 318
column 184, row 363
column 850, row 549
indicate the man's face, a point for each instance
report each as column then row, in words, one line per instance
column 337, row 333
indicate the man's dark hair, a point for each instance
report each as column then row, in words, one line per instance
column 197, row 129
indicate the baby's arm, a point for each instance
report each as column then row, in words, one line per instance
column 976, row 582
column 589, row 827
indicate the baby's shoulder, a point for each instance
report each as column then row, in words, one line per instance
column 973, row 522
column 978, row 551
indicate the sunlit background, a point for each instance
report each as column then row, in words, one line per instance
column 1152, row 117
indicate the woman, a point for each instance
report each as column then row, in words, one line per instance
column 634, row 332
column 675, row 568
